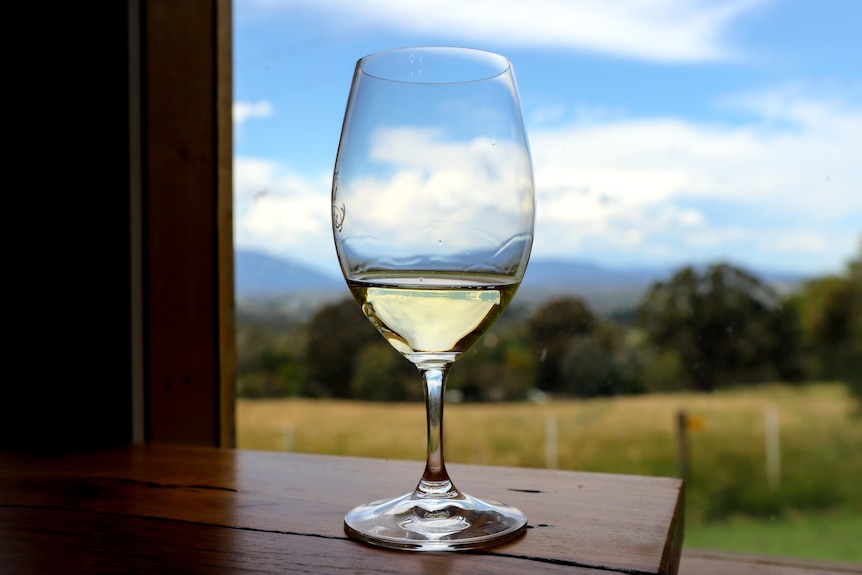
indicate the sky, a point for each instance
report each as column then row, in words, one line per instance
column 663, row 132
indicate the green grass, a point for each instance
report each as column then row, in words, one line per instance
column 730, row 501
column 826, row 536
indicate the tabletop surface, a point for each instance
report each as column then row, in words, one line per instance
column 170, row 509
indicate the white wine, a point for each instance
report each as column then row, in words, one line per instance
column 432, row 315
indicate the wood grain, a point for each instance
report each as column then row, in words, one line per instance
column 222, row 511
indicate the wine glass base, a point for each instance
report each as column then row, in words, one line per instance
column 416, row 522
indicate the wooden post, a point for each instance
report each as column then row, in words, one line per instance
column 773, row 447
column 289, row 434
column 682, row 444
column 551, row 442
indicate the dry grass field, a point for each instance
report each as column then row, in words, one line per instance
column 618, row 435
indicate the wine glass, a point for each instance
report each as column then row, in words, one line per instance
column 432, row 213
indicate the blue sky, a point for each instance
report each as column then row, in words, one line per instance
column 663, row 132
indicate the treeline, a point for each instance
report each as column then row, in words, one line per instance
column 702, row 328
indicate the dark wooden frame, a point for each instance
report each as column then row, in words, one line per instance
column 189, row 245
column 119, row 278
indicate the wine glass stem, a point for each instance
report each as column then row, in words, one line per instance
column 435, row 481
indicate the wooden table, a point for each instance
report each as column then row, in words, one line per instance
column 168, row 509
column 163, row 509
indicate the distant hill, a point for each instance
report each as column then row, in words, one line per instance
column 257, row 274
column 606, row 289
column 560, row 275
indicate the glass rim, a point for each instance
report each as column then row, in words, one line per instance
column 486, row 64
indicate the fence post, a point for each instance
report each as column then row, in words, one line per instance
column 682, row 444
column 551, row 449
column 288, row 437
column 773, row 446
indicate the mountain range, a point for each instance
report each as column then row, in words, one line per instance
column 257, row 274
column 261, row 276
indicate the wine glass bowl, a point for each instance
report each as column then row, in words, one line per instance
column 432, row 214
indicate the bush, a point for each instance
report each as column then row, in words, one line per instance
column 665, row 372
column 382, row 374
column 498, row 368
column 277, row 373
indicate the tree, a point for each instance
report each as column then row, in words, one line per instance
column 336, row 334
column 725, row 324
column 270, row 358
column 551, row 329
column 600, row 363
column 382, row 374
column 499, row 367
column 830, row 316
column 279, row 373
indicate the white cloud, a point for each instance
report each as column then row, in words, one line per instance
column 791, row 104
column 656, row 30
column 785, row 195
column 243, row 111
column 281, row 212
column 548, row 115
